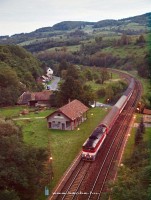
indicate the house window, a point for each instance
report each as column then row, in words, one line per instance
column 59, row 114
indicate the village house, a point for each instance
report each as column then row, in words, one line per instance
column 49, row 73
column 46, row 77
column 35, row 98
column 68, row 117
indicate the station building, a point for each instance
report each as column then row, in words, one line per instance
column 68, row 117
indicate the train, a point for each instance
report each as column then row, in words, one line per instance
column 92, row 145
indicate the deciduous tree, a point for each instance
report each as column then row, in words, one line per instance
column 23, row 169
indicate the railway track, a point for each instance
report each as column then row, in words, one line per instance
column 88, row 180
column 108, row 164
column 72, row 186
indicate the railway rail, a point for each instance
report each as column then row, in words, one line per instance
column 88, row 179
column 108, row 164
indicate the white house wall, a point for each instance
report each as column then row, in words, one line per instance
column 60, row 122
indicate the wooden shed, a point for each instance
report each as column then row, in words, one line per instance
column 35, row 98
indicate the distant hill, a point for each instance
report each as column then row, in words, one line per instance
column 117, row 25
column 69, row 25
column 140, row 19
column 105, row 23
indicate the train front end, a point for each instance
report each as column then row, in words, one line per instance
column 92, row 145
column 88, row 154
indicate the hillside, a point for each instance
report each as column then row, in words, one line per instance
column 108, row 43
column 18, row 72
column 137, row 23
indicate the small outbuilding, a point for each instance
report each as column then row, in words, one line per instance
column 68, row 117
column 35, row 98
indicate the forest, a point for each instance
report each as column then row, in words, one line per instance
column 18, row 73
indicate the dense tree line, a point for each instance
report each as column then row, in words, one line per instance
column 10, row 86
column 18, row 72
column 113, row 91
column 77, row 33
column 24, row 170
column 141, row 19
column 149, row 56
column 98, row 59
column 90, row 54
column 73, row 87
column 47, row 44
column 69, row 25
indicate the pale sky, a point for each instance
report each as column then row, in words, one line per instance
column 23, row 16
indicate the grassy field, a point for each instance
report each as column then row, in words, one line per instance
column 124, row 51
column 15, row 112
column 130, row 144
column 11, row 111
column 96, row 86
column 146, row 85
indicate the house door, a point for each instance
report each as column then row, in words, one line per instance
column 63, row 126
column 49, row 124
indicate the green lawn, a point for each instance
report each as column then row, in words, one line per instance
column 11, row 111
column 130, row 144
column 14, row 112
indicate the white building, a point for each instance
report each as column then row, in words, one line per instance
column 49, row 72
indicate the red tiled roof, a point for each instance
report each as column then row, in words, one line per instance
column 24, row 98
column 34, row 96
column 43, row 96
column 73, row 109
column 147, row 111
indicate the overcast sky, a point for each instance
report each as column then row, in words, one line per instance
column 17, row 16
